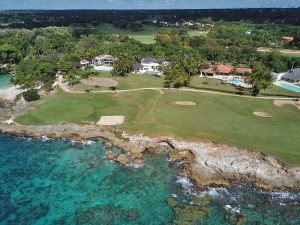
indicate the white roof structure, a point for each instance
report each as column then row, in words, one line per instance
column 84, row 62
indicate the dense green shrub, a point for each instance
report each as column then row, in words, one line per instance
column 31, row 95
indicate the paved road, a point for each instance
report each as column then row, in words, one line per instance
column 65, row 88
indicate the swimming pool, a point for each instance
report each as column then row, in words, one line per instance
column 290, row 87
column 103, row 68
column 236, row 81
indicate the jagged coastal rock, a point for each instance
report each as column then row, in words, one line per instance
column 209, row 164
column 206, row 164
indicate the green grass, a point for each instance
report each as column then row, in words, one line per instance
column 133, row 81
column 291, row 55
column 284, row 52
column 145, row 80
column 203, row 82
column 146, row 36
column 223, row 119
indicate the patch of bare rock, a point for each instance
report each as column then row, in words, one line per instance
column 210, row 164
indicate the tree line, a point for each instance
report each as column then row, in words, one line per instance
column 40, row 53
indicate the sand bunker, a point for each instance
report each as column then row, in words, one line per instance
column 185, row 103
column 101, row 82
column 287, row 102
column 111, row 120
column 262, row 114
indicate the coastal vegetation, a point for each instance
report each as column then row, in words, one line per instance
column 38, row 55
column 220, row 118
column 97, row 93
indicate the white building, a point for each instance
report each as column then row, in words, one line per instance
column 104, row 60
column 150, row 66
column 84, row 63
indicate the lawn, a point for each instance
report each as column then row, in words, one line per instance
column 145, row 80
column 224, row 119
column 146, row 36
column 206, row 83
column 133, row 81
column 284, row 52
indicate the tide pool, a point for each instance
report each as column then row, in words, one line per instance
column 4, row 81
column 58, row 182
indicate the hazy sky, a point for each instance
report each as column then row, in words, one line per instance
column 143, row 4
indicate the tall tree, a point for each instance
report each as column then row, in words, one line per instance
column 176, row 76
column 122, row 67
column 260, row 79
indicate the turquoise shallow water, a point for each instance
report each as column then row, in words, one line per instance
column 4, row 81
column 57, row 182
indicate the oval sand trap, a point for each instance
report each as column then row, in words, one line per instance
column 102, row 82
column 288, row 102
column 262, row 114
column 185, row 103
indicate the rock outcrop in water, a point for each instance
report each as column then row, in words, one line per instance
column 205, row 164
column 208, row 164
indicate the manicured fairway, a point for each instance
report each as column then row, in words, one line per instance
column 285, row 52
column 146, row 36
column 221, row 118
column 131, row 82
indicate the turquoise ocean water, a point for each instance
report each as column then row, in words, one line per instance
column 59, row 182
column 4, row 81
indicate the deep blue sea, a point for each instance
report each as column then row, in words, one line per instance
column 60, row 182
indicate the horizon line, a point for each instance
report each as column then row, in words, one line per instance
column 42, row 9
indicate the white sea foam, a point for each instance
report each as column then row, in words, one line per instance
column 227, row 207
column 185, row 183
column 174, row 196
column 136, row 166
column 214, row 192
column 45, row 138
column 284, row 196
column 236, row 209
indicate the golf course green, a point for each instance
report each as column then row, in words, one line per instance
column 225, row 119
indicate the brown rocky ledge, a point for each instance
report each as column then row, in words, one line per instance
column 70, row 131
column 205, row 164
column 211, row 164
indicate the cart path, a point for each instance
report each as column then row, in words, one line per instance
column 65, row 88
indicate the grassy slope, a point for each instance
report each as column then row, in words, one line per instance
column 221, row 118
column 146, row 36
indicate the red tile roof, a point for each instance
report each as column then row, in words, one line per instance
column 243, row 70
column 209, row 70
column 223, row 69
column 288, row 38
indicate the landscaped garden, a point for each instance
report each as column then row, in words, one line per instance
column 224, row 119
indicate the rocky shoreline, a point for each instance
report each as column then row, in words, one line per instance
column 205, row 164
